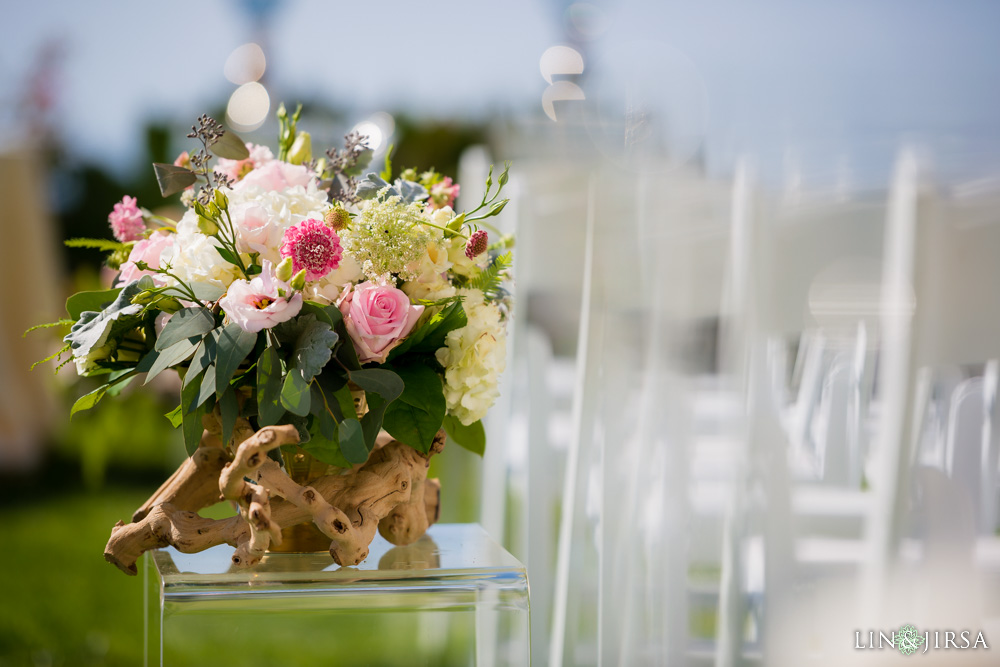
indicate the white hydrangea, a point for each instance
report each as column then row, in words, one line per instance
column 473, row 359
column 195, row 259
column 279, row 209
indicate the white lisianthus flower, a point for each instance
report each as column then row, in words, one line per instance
column 473, row 358
column 85, row 365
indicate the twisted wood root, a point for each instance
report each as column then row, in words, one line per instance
column 389, row 493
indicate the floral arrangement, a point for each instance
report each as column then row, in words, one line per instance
column 291, row 281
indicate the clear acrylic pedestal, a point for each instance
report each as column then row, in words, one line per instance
column 454, row 597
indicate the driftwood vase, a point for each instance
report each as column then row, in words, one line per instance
column 304, row 469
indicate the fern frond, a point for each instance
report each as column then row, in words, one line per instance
column 49, row 325
column 490, row 279
column 65, row 348
column 97, row 244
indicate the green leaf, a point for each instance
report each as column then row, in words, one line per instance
column 97, row 244
column 230, row 146
column 325, row 449
column 227, row 255
column 191, row 414
column 173, row 355
column 312, row 340
column 361, row 162
column 381, row 381
column 386, row 174
column 233, row 346
column 269, row 407
column 207, row 388
column 203, row 356
column 87, row 401
column 295, row 394
column 320, row 312
column 183, row 324
column 173, row 179
column 352, row 441
column 371, row 422
column 472, row 437
column 430, row 336
column 416, row 416
column 323, row 416
column 97, row 301
column 230, row 410
column 174, row 416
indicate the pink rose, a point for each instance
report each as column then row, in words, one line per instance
column 149, row 251
column 378, row 318
column 258, row 304
column 276, row 175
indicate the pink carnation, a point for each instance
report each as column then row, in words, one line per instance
column 126, row 220
column 149, row 251
column 443, row 193
column 378, row 318
column 312, row 246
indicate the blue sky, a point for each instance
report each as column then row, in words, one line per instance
column 771, row 72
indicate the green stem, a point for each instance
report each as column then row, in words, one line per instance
column 444, row 229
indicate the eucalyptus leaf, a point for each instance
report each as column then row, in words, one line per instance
column 352, row 441
column 173, row 355
column 472, row 437
column 185, row 323
column 203, row 356
column 207, row 291
column 191, row 414
column 295, row 394
column 172, row 179
column 269, row 407
column 325, row 449
column 233, row 346
column 381, row 381
column 230, row 410
column 323, row 416
column 207, row 387
column 230, row 146
column 227, row 255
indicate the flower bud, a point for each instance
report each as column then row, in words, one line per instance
column 409, row 175
column 283, row 271
column 169, row 305
column 497, row 207
column 118, row 257
column 144, row 297
column 301, row 150
column 337, row 218
column 298, row 281
column 207, row 227
column 221, row 200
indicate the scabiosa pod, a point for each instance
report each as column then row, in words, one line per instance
column 312, row 246
column 477, row 244
column 126, row 220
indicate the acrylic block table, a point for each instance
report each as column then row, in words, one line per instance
column 454, row 597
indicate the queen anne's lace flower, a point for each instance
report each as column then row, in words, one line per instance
column 386, row 237
column 312, row 246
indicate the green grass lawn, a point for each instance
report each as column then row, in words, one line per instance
column 62, row 604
